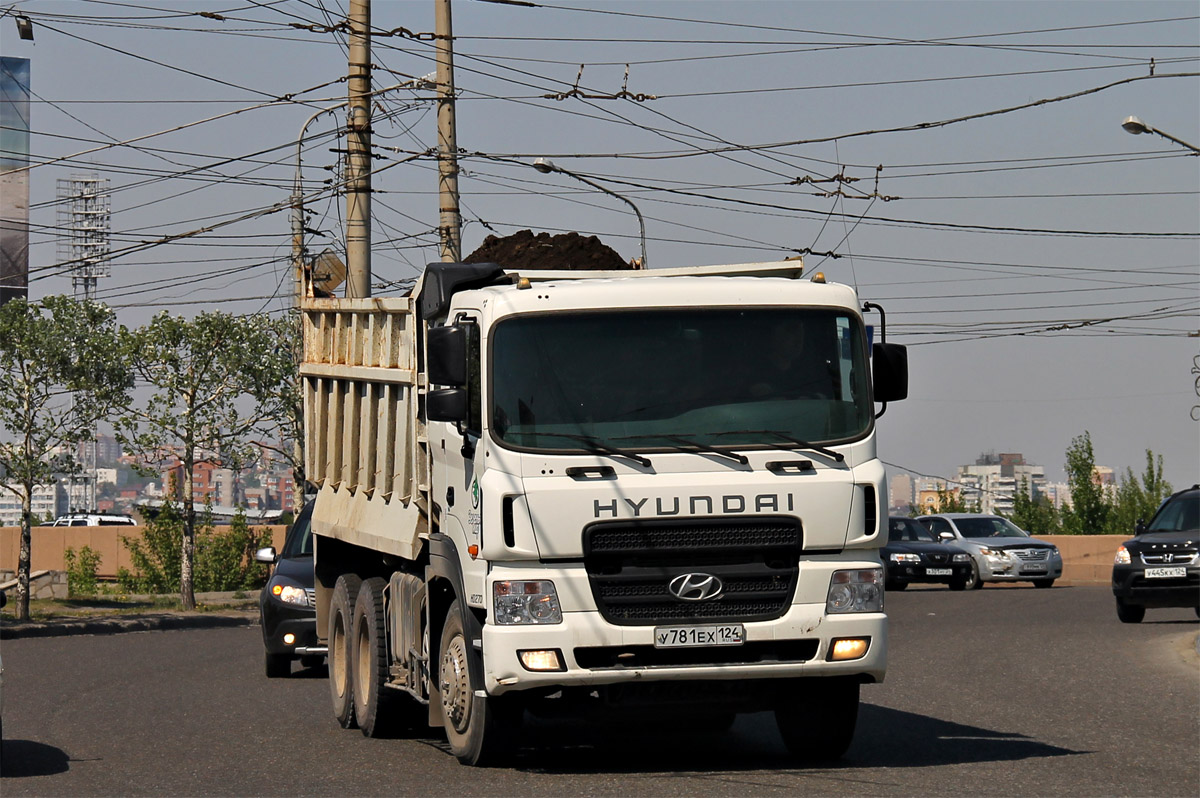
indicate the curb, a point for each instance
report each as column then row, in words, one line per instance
column 130, row 623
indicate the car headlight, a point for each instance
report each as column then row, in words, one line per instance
column 904, row 558
column 1122, row 557
column 963, row 557
column 997, row 553
column 290, row 594
column 855, row 591
column 526, row 601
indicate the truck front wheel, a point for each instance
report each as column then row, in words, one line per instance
column 817, row 721
column 479, row 728
column 341, row 676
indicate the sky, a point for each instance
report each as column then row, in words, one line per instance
column 961, row 164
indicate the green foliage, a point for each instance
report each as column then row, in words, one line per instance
column 224, row 556
column 952, row 501
column 156, row 556
column 61, row 371
column 225, row 559
column 1037, row 516
column 1137, row 501
column 1090, row 508
column 81, row 571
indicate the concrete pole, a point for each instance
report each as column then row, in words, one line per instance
column 449, row 220
column 358, row 159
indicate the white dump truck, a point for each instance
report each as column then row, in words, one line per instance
column 653, row 492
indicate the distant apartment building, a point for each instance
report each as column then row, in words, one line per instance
column 994, row 480
column 49, row 501
column 901, row 494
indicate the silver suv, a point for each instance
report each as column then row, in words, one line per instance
column 1000, row 550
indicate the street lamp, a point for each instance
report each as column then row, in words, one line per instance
column 1136, row 126
column 546, row 166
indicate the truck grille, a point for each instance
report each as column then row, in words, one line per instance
column 631, row 564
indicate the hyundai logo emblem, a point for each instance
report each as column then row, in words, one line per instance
column 695, row 587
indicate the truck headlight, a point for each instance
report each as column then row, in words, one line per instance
column 1122, row 557
column 855, row 591
column 525, row 601
column 963, row 557
column 904, row 558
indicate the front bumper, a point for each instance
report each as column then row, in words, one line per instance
column 1130, row 584
column 594, row 651
column 1015, row 570
column 905, row 572
column 280, row 619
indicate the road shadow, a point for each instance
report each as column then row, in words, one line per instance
column 886, row 738
column 24, row 758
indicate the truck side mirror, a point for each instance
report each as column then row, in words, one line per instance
column 889, row 372
column 447, row 404
column 447, row 347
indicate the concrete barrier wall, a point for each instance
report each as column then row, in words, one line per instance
column 1086, row 558
column 50, row 544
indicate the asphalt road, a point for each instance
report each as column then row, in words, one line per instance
column 1004, row 691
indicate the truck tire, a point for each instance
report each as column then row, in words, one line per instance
column 380, row 710
column 277, row 666
column 341, row 673
column 480, row 729
column 817, row 722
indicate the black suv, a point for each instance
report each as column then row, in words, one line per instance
column 1161, row 566
column 913, row 554
column 287, row 605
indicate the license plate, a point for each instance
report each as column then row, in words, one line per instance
column 727, row 634
column 1037, row 567
column 1165, row 573
column 939, row 571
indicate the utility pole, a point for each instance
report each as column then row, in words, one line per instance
column 358, row 158
column 449, row 220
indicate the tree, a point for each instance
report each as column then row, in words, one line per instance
column 51, row 353
column 284, row 421
column 213, row 382
column 1090, row 508
column 1138, row 501
column 1037, row 515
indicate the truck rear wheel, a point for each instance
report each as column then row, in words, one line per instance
column 341, row 675
column 379, row 710
column 479, row 728
column 817, row 722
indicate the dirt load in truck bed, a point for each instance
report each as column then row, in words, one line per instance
column 569, row 251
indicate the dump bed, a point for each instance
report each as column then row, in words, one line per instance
column 364, row 446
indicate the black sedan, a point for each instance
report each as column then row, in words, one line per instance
column 913, row 554
column 287, row 605
column 1161, row 566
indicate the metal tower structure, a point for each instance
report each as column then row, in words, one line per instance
column 84, row 225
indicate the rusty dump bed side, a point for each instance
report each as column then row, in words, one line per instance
column 364, row 447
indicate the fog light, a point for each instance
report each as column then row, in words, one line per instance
column 289, row 638
column 541, row 660
column 849, row 648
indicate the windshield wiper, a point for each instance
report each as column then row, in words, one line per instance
column 597, row 446
column 796, row 442
column 691, row 445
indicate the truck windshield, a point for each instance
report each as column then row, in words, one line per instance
column 642, row 379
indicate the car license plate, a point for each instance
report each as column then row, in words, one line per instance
column 939, row 571
column 1165, row 573
column 727, row 634
column 1034, row 567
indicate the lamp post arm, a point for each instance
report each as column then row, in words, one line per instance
column 1169, row 137
column 626, row 200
